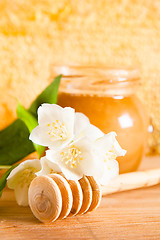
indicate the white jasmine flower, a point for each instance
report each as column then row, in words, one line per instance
column 20, row 178
column 75, row 160
column 91, row 158
column 48, row 167
column 56, row 125
column 76, row 147
column 107, row 149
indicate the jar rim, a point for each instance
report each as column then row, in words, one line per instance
column 108, row 74
column 97, row 80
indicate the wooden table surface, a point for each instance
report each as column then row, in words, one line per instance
column 129, row 215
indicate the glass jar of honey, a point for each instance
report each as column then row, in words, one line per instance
column 107, row 97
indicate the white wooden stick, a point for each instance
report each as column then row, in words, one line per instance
column 133, row 180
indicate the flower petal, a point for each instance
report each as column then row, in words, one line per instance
column 50, row 112
column 17, row 172
column 119, row 151
column 109, row 143
column 21, row 195
column 106, row 142
column 48, row 167
column 81, row 123
column 93, row 132
column 110, row 170
column 83, row 128
column 39, row 136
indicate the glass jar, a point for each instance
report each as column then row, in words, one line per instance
column 107, row 97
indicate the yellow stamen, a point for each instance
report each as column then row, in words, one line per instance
column 26, row 176
column 57, row 130
column 51, row 171
column 111, row 155
column 72, row 156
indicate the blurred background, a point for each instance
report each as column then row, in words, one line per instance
column 35, row 35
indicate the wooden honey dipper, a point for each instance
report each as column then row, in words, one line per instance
column 53, row 197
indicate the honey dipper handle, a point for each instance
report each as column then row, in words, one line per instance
column 133, row 180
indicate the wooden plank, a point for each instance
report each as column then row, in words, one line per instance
column 128, row 215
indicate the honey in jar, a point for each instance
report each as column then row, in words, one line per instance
column 107, row 97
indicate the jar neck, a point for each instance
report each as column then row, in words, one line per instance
column 98, row 80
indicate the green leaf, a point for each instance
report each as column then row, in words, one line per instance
column 31, row 122
column 3, row 179
column 14, row 140
column 5, row 167
column 49, row 95
column 14, row 143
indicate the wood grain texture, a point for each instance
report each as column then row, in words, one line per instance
column 128, row 215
